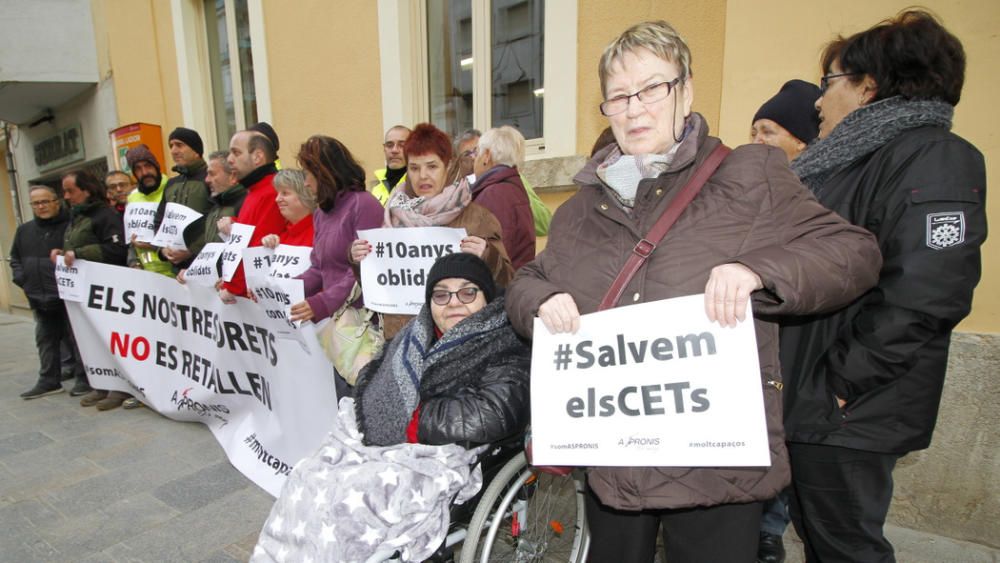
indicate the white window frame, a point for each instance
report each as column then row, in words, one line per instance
column 404, row 69
column 191, row 44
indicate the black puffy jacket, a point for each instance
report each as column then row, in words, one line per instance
column 33, row 271
column 923, row 195
column 472, row 382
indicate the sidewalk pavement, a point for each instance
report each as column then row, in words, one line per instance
column 77, row 484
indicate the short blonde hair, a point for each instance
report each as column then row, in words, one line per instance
column 296, row 180
column 505, row 144
column 657, row 37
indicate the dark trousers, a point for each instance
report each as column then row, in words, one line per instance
column 727, row 532
column 839, row 502
column 51, row 328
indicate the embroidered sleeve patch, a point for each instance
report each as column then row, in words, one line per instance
column 945, row 229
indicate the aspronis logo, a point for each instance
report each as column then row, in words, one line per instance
column 640, row 442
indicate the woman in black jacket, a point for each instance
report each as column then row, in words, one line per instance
column 862, row 384
column 456, row 373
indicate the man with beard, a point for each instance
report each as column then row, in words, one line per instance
column 188, row 189
column 251, row 155
column 149, row 189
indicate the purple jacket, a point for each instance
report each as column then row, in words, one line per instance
column 329, row 280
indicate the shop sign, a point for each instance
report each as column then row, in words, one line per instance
column 63, row 148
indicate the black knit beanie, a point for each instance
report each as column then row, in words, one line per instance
column 794, row 108
column 189, row 137
column 465, row 266
column 265, row 129
column 135, row 155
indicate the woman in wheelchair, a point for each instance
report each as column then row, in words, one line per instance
column 452, row 381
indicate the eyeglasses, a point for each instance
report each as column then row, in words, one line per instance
column 118, row 185
column 465, row 295
column 393, row 144
column 470, row 153
column 648, row 95
column 824, row 82
column 43, row 202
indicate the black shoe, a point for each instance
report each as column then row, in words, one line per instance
column 39, row 391
column 770, row 549
column 81, row 388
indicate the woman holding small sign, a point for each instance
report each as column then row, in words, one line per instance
column 426, row 200
column 752, row 232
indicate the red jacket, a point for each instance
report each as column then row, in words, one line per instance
column 298, row 234
column 260, row 210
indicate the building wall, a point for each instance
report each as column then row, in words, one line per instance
column 325, row 78
column 769, row 41
column 701, row 24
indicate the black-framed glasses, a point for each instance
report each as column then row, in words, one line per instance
column 471, row 153
column 824, row 82
column 648, row 95
column 43, row 202
column 465, row 295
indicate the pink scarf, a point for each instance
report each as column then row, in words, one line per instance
column 404, row 210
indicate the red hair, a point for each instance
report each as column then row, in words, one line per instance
column 426, row 139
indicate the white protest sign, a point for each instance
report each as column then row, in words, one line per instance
column 290, row 261
column 178, row 348
column 276, row 297
column 203, row 270
column 394, row 273
column 239, row 238
column 176, row 218
column 138, row 219
column 71, row 280
column 651, row 385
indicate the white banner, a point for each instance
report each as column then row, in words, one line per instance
column 176, row 218
column 179, row 349
column 71, row 281
column 651, row 385
column 239, row 238
column 204, row 270
column 138, row 218
column 394, row 274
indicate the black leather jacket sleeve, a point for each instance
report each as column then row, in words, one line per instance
column 494, row 407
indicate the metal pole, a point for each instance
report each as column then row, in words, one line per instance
column 12, row 174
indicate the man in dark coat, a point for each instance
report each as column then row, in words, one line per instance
column 188, row 189
column 35, row 274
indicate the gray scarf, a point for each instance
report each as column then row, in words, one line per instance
column 864, row 131
column 389, row 388
column 621, row 173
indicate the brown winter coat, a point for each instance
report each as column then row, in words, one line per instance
column 753, row 211
column 477, row 221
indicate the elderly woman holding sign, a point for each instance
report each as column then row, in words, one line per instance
column 751, row 232
column 426, row 200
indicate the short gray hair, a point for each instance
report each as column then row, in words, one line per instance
column 296, row 180
column 224, row 157
column 657, row 37
column 50, row 189
column 505, row 144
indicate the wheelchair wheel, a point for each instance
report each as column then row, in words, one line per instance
column 526, row 515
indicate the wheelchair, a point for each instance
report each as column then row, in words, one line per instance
column 521, row 515
column 528, row 515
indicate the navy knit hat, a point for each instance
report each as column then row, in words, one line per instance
column 794, row 108
column 265, row 129
column 462, row 265
column 189, row 137
column 135, row 155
